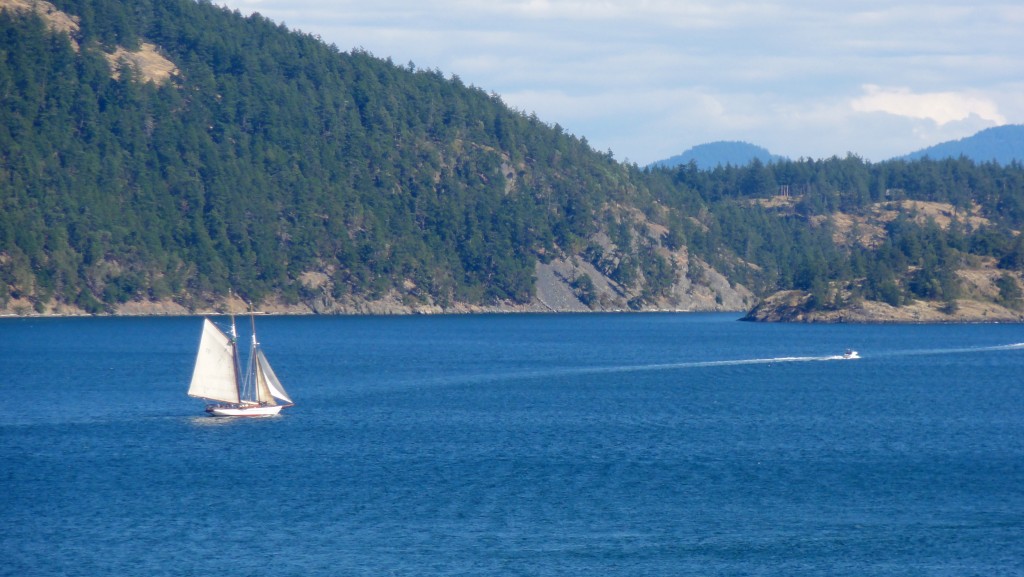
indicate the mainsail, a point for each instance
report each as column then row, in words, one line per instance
column 215, row 376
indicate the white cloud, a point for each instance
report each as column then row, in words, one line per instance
column 939, row 107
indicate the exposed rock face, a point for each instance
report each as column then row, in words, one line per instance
column 791, row 306
column 553, row 290
column 54, row 18
column 147, row 62
column 714, row 292
column 554, row 293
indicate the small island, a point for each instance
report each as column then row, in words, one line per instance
column 795, row 306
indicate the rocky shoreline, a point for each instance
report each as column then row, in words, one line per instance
column 384, row 307
column 554, row 294
column 791, row 306
column 783, row 307
column 553, row 297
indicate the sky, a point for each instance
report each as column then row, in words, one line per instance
column 649, row 79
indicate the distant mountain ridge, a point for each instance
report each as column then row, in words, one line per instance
column 720, row 153
column 1001, row 144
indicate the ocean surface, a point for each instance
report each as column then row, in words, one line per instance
column 540, row 445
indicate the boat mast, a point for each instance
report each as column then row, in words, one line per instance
column 253, row 373
column 234, row 347
column 252, row 320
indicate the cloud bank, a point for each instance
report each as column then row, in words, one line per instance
column 939, row 107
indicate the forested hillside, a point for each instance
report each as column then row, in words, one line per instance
column 155, row 154
column 843, row 231
column 280, row 166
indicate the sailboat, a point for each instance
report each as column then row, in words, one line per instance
column 218, row 377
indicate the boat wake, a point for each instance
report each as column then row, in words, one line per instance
column 722, row 363
column 951, row 351
column 849, row 355
column 593, row 370
column 1012, row 347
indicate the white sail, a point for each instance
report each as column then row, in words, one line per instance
column 269, row 379
column 214, row 376
column 263, row 394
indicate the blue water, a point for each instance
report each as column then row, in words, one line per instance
column 540, row 445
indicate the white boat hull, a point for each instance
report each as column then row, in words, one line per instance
column 253, row 411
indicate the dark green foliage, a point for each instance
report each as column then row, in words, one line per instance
column 583, row 287
column 1009, row 291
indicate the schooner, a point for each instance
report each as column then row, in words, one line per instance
column 218, row 377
